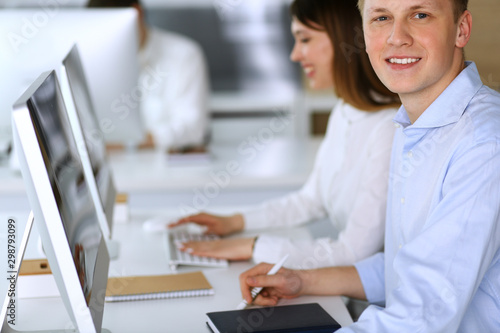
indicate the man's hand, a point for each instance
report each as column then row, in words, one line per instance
column 284, row 284
column 292, row 283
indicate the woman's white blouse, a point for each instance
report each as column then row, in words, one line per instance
column 348, row 185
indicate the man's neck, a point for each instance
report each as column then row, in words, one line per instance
column 417, row 102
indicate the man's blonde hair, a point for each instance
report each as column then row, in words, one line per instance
column 459, row 6
column 361, row 4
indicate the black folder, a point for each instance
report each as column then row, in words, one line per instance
column 310, row 317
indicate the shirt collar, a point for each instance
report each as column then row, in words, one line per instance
column 450, row 105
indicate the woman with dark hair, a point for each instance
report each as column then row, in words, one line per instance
column 349, row 181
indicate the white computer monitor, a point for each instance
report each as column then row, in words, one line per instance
column 35, row 41
column 91, row 146
column 63, row 209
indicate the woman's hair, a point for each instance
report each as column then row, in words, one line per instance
column 354, row 79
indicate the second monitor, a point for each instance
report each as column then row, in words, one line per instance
column 90, row 143
column 109, row 44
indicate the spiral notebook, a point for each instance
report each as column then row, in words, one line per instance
column 135, row 288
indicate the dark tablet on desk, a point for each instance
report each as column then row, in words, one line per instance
column 310, row 317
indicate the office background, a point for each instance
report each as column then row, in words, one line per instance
column 247, row 44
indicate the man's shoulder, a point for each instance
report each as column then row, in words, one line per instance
column 484, row 113
column 488, row 97
column 486, row 104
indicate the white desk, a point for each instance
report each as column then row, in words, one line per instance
column 273, row 169
column 154, row 185
column 142, row 254
column 283, row 162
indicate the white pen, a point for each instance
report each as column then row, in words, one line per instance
column 256, row 290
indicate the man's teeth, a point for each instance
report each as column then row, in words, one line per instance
column 403, row 61
column 307, row 70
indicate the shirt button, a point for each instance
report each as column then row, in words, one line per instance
column 400, row 246
column 410, row 153
column 397, row 125
column 402, row 200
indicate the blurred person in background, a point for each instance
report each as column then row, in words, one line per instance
column 174, row 72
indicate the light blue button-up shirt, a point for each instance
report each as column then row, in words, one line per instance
column 441, row 268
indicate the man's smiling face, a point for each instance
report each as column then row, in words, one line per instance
column 413, row 45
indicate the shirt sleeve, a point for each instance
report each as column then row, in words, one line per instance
column 371, row 272
column 441, row 268
column 364, row 231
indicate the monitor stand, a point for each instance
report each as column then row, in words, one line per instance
column 4, row 316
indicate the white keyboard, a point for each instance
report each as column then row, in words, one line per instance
column 178, row 257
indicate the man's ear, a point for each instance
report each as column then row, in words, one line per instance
column 464, row 29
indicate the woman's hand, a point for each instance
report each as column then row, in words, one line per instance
column 231, row 249
column 286, row 283
column 217, row 225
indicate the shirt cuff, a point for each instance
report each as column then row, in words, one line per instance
column 268, row 249
column 371, row 273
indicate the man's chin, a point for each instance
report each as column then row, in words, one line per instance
column 398, row 88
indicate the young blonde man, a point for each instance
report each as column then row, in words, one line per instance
column 440, row 271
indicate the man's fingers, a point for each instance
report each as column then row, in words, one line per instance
column 245, row 288
column 266, row 300
column 272, row 281
column 260, row 269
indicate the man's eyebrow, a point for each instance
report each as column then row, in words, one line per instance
column 418, row 7
column 379, row 10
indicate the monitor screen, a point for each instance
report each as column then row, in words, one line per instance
column 84, row 123
column 59, row 196
column 67, row 179
column 108, row 38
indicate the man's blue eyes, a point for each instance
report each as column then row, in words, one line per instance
column 418, row 16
